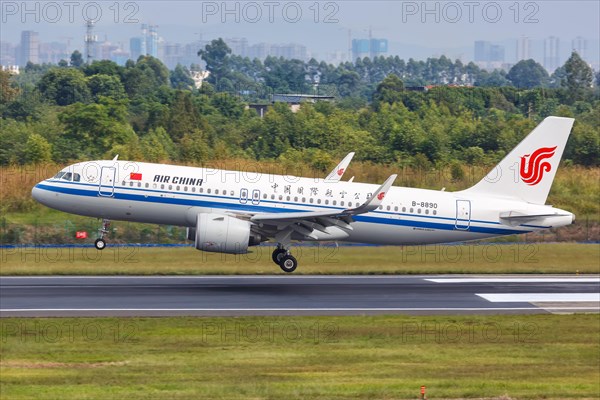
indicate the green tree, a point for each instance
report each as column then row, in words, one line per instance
column 64, row 86
column 216, row 55
column 390, row 90
column 8, row 91
column 77, row 59
column 527, row 74
column 183, row 118
column 107, row 86
column 180, row 78
column 579, row 77
column 94, row 129
column 37, row 150
column 157, row 146
column 194, row 147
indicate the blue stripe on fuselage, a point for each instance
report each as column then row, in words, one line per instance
column 258, row 208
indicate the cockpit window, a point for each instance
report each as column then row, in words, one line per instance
column 68, row 176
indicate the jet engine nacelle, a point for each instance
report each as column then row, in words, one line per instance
column 220, row 233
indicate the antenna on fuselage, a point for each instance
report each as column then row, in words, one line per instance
column 116, row 158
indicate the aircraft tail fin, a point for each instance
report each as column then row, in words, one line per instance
column 336, row 174
column 527, row 172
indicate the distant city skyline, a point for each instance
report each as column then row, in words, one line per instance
column 325, row 31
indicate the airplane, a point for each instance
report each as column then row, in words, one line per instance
column 230, row 211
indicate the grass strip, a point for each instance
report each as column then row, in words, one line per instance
column 362, row 357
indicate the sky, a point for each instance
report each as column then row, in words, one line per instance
column 414, row 28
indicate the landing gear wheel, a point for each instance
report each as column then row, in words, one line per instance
column 278, row 255
column 100, row 244
column 288, row 263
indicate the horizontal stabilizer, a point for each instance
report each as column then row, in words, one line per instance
column 515, row 218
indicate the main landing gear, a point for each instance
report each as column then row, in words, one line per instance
column 100, row 244
column 282, row 257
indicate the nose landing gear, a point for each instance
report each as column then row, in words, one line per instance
column 100, row 243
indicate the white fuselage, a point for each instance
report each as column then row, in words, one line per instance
column 175, row 195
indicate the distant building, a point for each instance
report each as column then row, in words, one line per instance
column 579, row 45
column 523, row 48
column 137, row 47
column 151, row 40
column 30, row 48
column 7, row 54
column 145, row 45
column 551, row 53
column 371, row 48
column 120, row 57
column 293, row 100
column 53, row 52
column 11, row 69
column 238, row 46
column 488, row 55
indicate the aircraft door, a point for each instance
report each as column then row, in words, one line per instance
column 463, row 215
column 107, row 181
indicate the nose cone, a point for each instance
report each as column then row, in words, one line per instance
column 35, row 193
column 40, row 195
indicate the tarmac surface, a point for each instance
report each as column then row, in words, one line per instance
column 296, row 295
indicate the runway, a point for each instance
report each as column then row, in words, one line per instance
column 59, row 296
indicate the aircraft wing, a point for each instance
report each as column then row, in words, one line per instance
column 336, row 174
column 320, row 225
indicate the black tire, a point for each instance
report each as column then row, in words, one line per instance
column 278, row 255
column 100, row 244
column 288, row 263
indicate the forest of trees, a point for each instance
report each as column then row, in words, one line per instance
column 143, row 111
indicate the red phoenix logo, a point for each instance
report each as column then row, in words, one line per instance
column 340, row 172
column 533, row 165
column 381, row 195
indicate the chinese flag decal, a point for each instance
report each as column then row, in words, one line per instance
column 381, row 195
column 135, row 176
column 81, row 235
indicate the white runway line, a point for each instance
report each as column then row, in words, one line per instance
column 33, row 310
column 516, row 280
column 540, row 297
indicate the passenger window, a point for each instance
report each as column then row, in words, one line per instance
column 216, row 191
